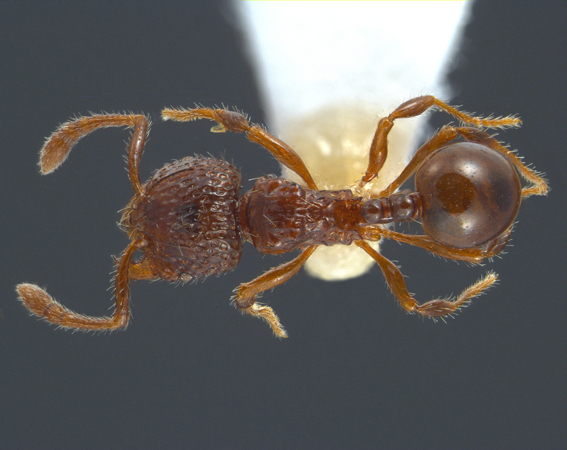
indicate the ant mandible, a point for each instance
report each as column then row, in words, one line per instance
column 189, row 222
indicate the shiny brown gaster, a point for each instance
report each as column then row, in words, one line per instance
column 188, row 221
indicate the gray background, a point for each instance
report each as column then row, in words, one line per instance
column 190, row 371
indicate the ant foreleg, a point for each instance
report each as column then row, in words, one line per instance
column 237, row 123
column 433, row 308
column 142, row 270
column 246, row 293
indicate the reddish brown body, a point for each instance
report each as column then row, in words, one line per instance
column 279, row 216
column 189, row 222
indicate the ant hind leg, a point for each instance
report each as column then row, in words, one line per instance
column 538, row 185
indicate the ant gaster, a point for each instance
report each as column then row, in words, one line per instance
column 189, row 222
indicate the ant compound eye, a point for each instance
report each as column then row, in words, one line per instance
column 471, row 194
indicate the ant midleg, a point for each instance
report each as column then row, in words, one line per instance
column 379, row 147
column 413, row 108
column 246, row 293
column 237, row 123
column 444, row 136
column 433, row 308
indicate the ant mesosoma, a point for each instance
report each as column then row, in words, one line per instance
column 189, row 222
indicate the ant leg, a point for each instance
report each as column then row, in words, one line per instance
column 433, row 308
column 413, row 108
column 237, row 123
column 246, row 293
column 58, row 146
column 471, row 255
column 140, row 270
column 538, row 185
column 497, row 245
column 43, row 305
column 443, row 137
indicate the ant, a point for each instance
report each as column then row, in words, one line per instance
column 189, row 222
